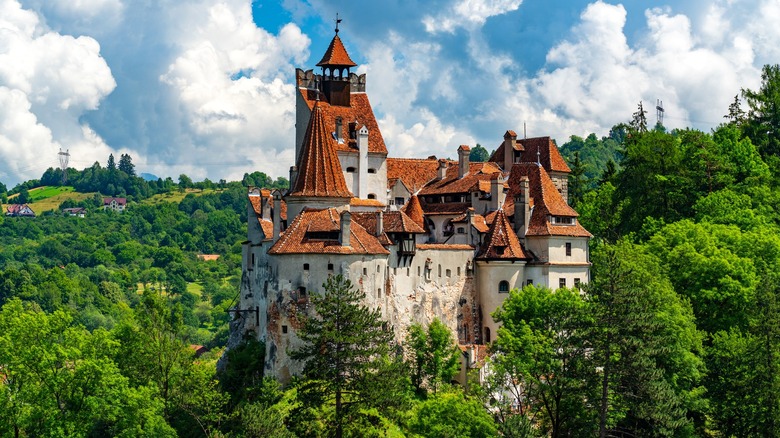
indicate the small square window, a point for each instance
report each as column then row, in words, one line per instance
column 399, row 200
column 330, row 266
column 284, row 329
column 365, row 271
column 529, row 282
column 561, row 282
column 577, row 283
column 449, row 273
column 305, row 266
column 568, row 249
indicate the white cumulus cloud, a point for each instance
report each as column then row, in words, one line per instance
column 468, row 14
column 48, row 82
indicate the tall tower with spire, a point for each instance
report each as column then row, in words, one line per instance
column 347, row 119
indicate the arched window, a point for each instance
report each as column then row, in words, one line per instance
column 503, row 287
column 371, row 196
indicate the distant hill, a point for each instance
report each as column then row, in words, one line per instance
column 148, row 176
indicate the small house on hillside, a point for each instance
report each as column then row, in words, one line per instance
column 77, row 211
column 19, row 210
column 116, row 204
column 208, row 257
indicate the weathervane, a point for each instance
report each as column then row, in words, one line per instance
column 338, row 20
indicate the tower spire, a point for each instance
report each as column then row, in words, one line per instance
column 338, row 20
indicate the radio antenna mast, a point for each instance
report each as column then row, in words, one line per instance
column 659, row 112
column 64, row 157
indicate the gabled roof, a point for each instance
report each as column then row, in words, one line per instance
column 414, row 172
column 549, row 156
column 414, row 210
column 336, row 55
column 452, row 184
column 501, row 242
column 319, row 170
column 359, row 110
column 119, row 201
column 295, row 240
column 546, row 201
column 400, row 222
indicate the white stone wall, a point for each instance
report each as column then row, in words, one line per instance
column 489, row 275
column 377, row 182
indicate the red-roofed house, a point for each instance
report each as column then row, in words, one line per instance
column 420, row 238
column 19, row 210
column 116, row 204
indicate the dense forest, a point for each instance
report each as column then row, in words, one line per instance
column 106, row 319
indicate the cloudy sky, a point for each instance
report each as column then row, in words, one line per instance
column 205, row 87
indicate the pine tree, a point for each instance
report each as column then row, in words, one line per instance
column 126, row 165
column 111, row 165
column 344, row 347
column 639, row 119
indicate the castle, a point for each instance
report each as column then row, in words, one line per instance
column 421, row 238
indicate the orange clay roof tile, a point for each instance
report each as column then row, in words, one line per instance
column 319, row 170
column 296, row 241
column 546, row 201
column 414, row 210
column 358, row 202
column 359, row 110
column 445, row 246
column 478, row 174
column 549, row 156
column 501, row 242
column 336, row 55
column 414, row 172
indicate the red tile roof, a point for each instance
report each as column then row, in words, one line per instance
column 546, row 201
column 399, row 222
column 501, row 242
column 295, row 240
column 452, row 184
column 445, row 246
column 336, row 55
column 414, row 210
column 357, row 202
column 477, row 221
column 319, row 170
column 445, row 208
column 268, row 228
column 359, row 109
column 549, row 156
column 414, row 172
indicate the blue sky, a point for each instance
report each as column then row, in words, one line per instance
column 205, row 87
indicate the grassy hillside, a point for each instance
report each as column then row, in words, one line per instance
column 176, row 196
column 49, row 198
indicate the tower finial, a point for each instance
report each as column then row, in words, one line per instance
column 338, row 20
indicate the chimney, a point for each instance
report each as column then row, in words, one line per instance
column 362, row 144
column 510, row 138
column 469, row 225
column 293, row 175
column 463, row 160
column 522, row 208
column 496, row 190
column 380, row 223
column 277, row 214
column 346, row 224
column 442, row 169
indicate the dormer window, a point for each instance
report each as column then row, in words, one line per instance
column 500, row 250
column 562, row 220
column 339, row 129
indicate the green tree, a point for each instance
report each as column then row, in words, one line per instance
column 343, row 347
column 111, row 165
column 450, row 414
column 435, row 358
column 763, row 118
column 576, row 180
column 58, row 379
column 479, row 154
column 644, row 346
column 126, row 164
column 639, row 119
column 541, row 351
